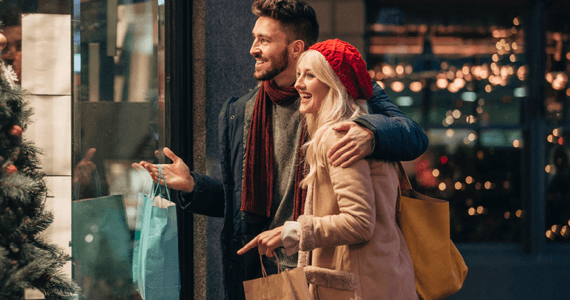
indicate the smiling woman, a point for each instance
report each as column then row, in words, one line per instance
column 312, row 90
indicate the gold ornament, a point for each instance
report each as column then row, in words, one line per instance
column 3, row 41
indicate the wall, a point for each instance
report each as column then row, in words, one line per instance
column 46, row 77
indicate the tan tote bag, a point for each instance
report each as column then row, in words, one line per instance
column 438, row 266
column 286, row 285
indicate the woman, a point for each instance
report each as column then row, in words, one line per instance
column 351, row 246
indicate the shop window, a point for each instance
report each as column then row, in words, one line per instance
column 119, row 119
column 463, row 77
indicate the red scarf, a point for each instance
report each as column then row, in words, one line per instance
column 258, row 181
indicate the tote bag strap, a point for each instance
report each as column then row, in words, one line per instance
column 405, row 185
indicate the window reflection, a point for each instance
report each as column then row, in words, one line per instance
column 118, row 120
column 12, row 53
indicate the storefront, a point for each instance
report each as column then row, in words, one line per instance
column 487, row 81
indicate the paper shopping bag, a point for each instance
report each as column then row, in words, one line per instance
column 286, row 285
column 155, row 260
column 100, row 233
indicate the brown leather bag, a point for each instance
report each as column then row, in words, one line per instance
column 438, row 266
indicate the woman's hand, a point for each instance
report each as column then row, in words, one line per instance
column 265, row 242
column 176, row 174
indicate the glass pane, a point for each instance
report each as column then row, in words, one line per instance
column 558, row 187
column 479, row 174
column 557, row 89
column 118, row 120
column 557, row 103
column 462, row 76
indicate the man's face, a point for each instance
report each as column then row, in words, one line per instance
column 270, row 49
column 12, row 54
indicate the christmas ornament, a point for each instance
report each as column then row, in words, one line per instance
column 3, row 41
column 15, row 131
column 11, row 169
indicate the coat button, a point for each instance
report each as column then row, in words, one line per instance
column 231, row 117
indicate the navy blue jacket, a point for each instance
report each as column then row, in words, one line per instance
column 396, row 138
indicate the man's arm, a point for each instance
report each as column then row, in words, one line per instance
column 207, row 198
column 386, row 134
column 198, row 193
column 396, row 136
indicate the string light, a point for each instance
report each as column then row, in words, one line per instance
column 435, row 172
column 399, row 70
column 564, row 231
column 481, row 210
column 381, row 84
column 458, row 185
column 416, row 86
column 397, row 86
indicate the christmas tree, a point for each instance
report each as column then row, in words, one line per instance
column 27, row 261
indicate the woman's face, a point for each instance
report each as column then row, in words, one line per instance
column 312, row 90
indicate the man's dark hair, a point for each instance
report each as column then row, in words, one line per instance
column 298, row 18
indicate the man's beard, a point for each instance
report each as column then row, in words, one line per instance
column 275, row 69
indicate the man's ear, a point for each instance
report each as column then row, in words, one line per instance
column 298, row 48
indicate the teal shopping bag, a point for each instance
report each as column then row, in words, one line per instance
column 100, row 233
column 155, row 257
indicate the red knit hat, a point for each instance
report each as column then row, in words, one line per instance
column 348, row 65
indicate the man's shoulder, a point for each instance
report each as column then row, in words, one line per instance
column 235, row 105
column 249, row 95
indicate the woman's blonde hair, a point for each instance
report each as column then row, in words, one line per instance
column 338, row 106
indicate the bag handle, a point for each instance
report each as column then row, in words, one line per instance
column 405, row 186
column 279, row 269
column 77, row 189
column 157, row 186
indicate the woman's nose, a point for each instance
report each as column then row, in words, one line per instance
column 298, row 83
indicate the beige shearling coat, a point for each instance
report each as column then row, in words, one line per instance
column 350, row 244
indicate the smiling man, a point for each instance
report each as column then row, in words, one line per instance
column 261, row 135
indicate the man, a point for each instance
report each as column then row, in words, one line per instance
column 261, row 135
